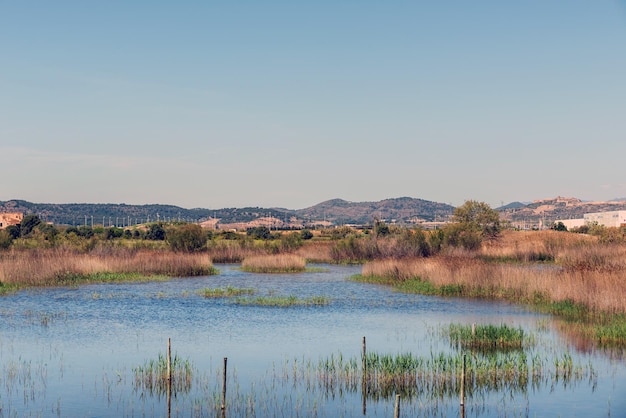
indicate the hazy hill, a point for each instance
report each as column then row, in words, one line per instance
column 400, row 210
column 336, row 211
column 544, row 212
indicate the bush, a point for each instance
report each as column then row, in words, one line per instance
column 306, row 234
column 186, row 238
column 156, row 232
column 259, row 232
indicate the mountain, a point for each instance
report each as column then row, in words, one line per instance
column 331, row 212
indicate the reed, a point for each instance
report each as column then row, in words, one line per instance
column 153, row 376
column 62, row 266
column 280, row 263
column 487, row 337
column 594, row 293
column 438, row 375
column 226, row 292
column 283, row 301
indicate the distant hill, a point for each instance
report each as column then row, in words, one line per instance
column 331, row 212
column 543, row 213
column 398, row 210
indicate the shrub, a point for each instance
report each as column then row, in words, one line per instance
column 186, row 238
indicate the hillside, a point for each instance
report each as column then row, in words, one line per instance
column 398, row 210
column 543, row 213
column 331, row 212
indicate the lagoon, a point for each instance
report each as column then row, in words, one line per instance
column 72, row 352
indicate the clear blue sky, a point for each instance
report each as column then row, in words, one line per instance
column 287, row 104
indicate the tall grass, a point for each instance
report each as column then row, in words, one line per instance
column 584, row 282
column 599, row 289
column 51, row 267
column 486, row 337
column 153, row 376
column 280, row 263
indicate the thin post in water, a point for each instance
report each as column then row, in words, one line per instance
column 169, row 359
column 364, row 379
column 396, row 410
column 463, row 383
column 224, row 385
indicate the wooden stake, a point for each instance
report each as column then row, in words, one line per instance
column 463, row 383
column 224, row 385
column 169, row 359
column 396, row 411
column 364, row 379
column 364, row 363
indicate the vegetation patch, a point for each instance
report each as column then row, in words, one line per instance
column 226, row 292
column 153, row 376
column 487, row 337
column 283, row 301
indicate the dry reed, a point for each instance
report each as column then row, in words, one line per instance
column 280, row 263
column 45, row 267
column 584, row 272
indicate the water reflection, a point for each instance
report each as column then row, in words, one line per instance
column 76, row 352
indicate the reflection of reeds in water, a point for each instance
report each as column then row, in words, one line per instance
column 438, row 376
column 153, row 376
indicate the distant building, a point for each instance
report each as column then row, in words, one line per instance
column 616, row 218
column 10, row 218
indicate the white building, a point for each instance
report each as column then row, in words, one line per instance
column 616, row 218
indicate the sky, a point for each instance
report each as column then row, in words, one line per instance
column 215, row 104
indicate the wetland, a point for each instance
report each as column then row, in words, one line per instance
column 294, row 344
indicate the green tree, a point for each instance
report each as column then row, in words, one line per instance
column 29, row 222
column 478, row 217
column 559, row 226
column 259, row 232
column 5, row 239
column 13, row 231
column 306, row 234
column 381, row 229
column 187, row 238
column 156, row 232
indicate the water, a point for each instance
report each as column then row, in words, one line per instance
column 71, row 352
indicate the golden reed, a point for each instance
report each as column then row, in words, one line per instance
column 583, row 270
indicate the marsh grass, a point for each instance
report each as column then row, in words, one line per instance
column 283, row 301
column 59, row 266
column 585, row 281
column 280, row 263
column 438, row 375
column 226, row 292
column 487, row 337
column 153, row 377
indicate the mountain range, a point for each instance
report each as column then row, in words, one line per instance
column 403, row 211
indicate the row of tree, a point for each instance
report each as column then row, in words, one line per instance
column 473, row 222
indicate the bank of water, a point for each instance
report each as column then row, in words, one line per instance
column 74, row 351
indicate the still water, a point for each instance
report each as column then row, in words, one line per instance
column 72, row 352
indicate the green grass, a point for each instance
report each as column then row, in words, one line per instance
column 72, row 279
column 438, row 375
column 283, row 301
column 227, row 292
column 487, row 337
column 604, row 329
column 152, row 376
column 5, row 289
